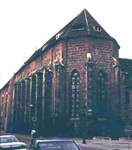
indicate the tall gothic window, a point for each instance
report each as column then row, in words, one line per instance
column 39, row 99
column 75, row 90
column 6, row 105
column 23, row 100
column 102, row 101
column 15, row 104
column 27, row 100
column 33, row 96
column 48, row 93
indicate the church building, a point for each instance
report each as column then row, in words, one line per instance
column 75, row 84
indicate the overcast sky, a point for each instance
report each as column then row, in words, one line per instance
column 25, row 25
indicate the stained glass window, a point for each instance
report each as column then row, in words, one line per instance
column 75, row 90
column 102, row 101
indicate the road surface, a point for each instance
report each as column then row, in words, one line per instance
column 91, row 144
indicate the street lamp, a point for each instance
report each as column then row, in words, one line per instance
column 89, row 66
column 88, row 110
column 87, row 115
column 84, row 119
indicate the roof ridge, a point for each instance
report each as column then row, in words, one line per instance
column 86, row 19
column 73, row 23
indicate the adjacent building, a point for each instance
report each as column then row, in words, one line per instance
column 74, row 84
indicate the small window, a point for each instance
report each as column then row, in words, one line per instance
column 97, row 28
column 58, row 35
column 44, row 47
column 78, row 27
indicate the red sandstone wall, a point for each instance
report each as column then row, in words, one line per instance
column 102, row 53
column 4, row 103
column 76, row 50
column 76, row 59
column 46, row 59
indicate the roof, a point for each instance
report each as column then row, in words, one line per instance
column 85, row 24
column 126, row 67
column 5, row 85
column 81, row 26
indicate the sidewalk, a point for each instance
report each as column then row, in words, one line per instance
column 103, row 144
column 107, row 144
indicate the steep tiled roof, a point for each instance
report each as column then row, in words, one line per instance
column 83, row 25
column 126, row 67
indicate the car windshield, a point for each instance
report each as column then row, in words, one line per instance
column 58, row 145
column 8, row 139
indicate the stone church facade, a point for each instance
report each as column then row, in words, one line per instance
column 74, row 84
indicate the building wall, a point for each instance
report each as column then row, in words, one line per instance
column 128, row 106
column 45, row 82
column 4, row 107
column 76, row 59
column 102, row 52
column 130, row 116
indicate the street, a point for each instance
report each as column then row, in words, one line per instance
column 91, row 144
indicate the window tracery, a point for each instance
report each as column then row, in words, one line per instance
column 75, row 90
column 102, row 102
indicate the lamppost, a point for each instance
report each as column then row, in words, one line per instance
column 88, row 110
column 89, row 67
column 86, row 115
column 84, row 119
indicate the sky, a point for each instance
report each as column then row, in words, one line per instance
column 25, row 25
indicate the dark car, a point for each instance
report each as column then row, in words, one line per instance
column 54, row 145
column 10, row 142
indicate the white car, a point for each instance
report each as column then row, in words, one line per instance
column 10, row 142
column 54, row 145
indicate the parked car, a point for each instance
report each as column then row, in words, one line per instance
column 10, row 142
column 54, row 145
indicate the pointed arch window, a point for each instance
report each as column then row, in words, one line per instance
column 101, row 85
column 75, row 94
column 102, row 101
column 48, row 93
